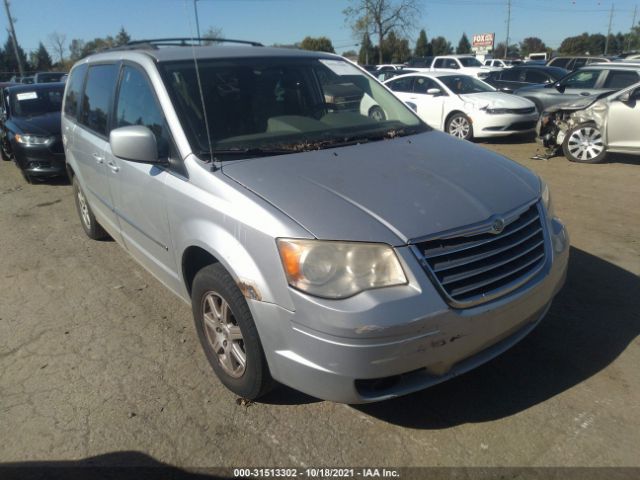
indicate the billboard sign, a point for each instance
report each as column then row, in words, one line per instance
column 483, row 40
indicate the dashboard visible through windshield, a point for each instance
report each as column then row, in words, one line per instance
column 280, row 105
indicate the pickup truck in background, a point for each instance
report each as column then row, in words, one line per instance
column 467, row 64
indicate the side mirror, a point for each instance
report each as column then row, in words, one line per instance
column 135, row 143
column 559, row 87
column 506, row 90
column 625, row 97
column 434, row 91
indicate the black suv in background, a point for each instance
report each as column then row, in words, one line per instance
column 30, row 129
column 510, row 79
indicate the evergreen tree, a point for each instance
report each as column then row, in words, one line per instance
column 422, row 45
column 122, row 38
column 41, row 60
column 464, row 46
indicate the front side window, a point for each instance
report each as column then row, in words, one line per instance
column 582, row 79
column 74, row 90
column 465, row 84
column 98, row 94
column 423, row 84
column 31, row 103
column 257, row 106
column 137, row 105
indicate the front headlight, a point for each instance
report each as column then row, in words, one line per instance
column 545, row 195
column 496, row 111
column 32, row 139
column 339, row 269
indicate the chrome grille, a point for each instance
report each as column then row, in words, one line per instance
column 477, row 268
column 522, row 111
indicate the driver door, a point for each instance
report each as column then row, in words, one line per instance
column 429, row 107
column 623, row 123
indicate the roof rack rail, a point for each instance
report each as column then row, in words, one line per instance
column 181, row 41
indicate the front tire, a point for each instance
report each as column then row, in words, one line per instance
column 89, row 223
column 584, row 144
column 459, row 125
column 228, row 334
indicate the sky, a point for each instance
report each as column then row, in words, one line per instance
column 289, row 21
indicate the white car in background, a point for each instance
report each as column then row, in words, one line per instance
column 464, row 106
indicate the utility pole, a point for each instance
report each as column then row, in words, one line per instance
column 195, row 9
column 506, row 47
column 633, row 24
column 12, row 33
column 606, row 43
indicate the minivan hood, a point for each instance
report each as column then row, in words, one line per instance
column 497, row 100
column 389, row 191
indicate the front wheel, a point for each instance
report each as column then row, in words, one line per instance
column 584, row 144
column 459, row 125
column 228, row 334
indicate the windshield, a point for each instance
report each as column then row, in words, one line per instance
column 469, row 62
column 29, row 103
column 464, row 84
column 49, row 77
column 257, row 105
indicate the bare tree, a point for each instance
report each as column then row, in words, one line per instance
column 381, row 17
column 57, row 41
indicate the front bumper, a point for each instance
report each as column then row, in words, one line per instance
column 40, row 160
column 501, row 125
column 389, row 342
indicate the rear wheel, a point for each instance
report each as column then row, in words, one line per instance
column 228, row 334
column 89, row 223
column 584, row 144
column 459, row 125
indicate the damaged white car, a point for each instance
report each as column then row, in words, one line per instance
column 587, row 130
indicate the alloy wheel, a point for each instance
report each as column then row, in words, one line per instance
column 223, row 334
column 84, row 209
column 459, row 127
column 585, row 143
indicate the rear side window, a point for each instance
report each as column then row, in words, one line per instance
column 402, row 85
column 560, row 62
column 511, row 75
column 137, row 105
column 439, row 63
column 620, row 79
column 74, row 90
column 97, row 98
column 534, row 76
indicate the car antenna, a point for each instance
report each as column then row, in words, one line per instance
column 214, row 167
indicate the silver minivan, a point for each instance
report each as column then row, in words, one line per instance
column 342, row 247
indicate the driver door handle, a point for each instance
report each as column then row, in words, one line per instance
column 114, row 168
column 585, row 94
column 98, row 157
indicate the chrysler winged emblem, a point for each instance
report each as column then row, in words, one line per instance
column 498, row 226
